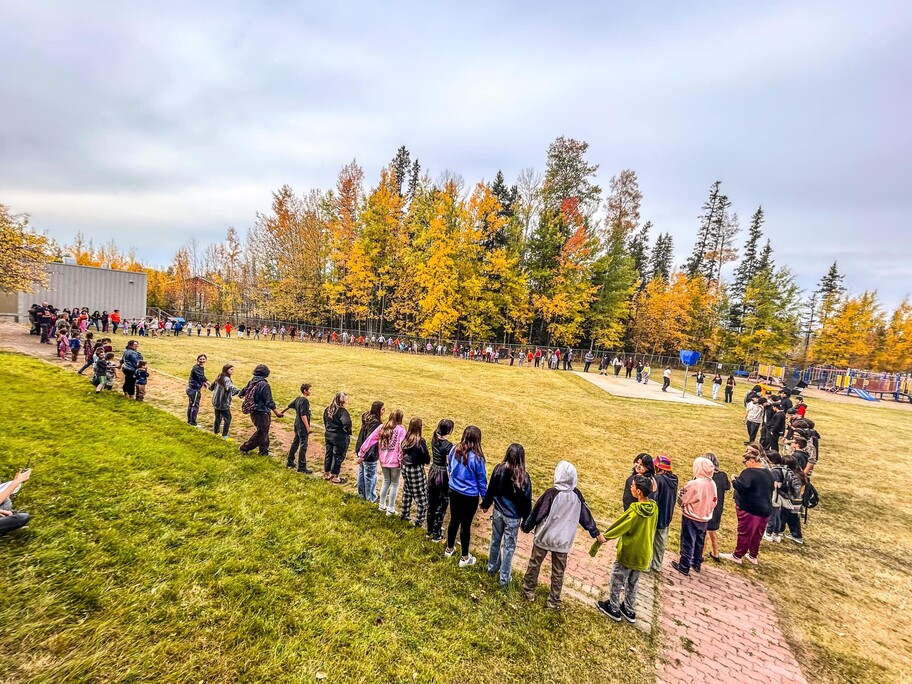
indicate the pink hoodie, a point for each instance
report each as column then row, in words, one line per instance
column 698, row 497
column 391, row 457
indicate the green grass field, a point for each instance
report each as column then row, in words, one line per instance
column 157, row 553
column 206, row 574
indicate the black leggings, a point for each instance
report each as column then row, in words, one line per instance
column 129, row 385
column 462, row 512
column 222, row 418
column 728, row 394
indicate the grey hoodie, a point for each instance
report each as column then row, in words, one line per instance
column 559, row 510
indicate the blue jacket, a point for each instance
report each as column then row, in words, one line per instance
column 469, row 480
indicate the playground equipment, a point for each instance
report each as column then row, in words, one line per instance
column 868, row 385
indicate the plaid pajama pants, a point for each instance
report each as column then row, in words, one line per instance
column 414, row 487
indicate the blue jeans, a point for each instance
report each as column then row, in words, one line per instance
column 504, row 530
column 367, row 481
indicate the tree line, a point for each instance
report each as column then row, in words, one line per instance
column 551, row 259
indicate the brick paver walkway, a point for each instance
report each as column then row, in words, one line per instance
column 716, row 626
column 719, row 626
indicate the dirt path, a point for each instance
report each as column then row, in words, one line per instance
column 717, row 626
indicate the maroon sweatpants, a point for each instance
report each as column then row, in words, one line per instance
column 750, row 532
column 260, row 438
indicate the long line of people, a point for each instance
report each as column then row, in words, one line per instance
column 769, row 493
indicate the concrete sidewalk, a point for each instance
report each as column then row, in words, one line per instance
column 631, row 389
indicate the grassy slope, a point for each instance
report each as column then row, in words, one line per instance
column 845, row 595
column 158, row 553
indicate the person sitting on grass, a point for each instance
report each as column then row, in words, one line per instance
column 9, row 519
column 635, row 532
column 510, row 491
column 698, row 500
column 554, row 518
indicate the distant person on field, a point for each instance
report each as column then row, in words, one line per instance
column 587, row 361
column 259, row 404
column 439, row 479
column 753, row 418
column 603, row 365
column 628, row 367
column 617, row 366
column 647, row 372
column 639, row 371
column 9, row 519
column 666, row 496
column 753, row 502
column 698, row 500
column 635, row 531
column 555, row 517
column 510, row 492
column 337, row 424
column 468, row 483
column 367, row 464
column 722, row 485
column 666, row 380
column 700, row 378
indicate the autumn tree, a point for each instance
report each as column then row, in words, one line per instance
column 23, row 253
column 771, row 308
column 850, row 334
column 895, row 353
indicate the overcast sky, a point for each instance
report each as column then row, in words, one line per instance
column 157, row 123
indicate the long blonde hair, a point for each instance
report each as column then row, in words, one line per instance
column 337, row 402
column 386, row 432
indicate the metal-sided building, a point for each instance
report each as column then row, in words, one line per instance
column 69, row 285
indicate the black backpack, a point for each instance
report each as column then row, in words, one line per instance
column 810, row 500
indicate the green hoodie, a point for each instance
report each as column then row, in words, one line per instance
column 635, row 531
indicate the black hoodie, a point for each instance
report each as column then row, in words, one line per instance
column 666, row 496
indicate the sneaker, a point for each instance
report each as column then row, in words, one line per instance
column 768, row 537
column 381, row 508
column 390, row 511
column 677, row 566
column 243, row 451
column 730, row 557
column 449, row 552
column 695, row 568
column 777, row 538
column 467, row 562
column 605, row 608
column 629, row 615
column 797, row 540
column 306, row 471
column 201, row 427
column 751, row 559
column 436, row 540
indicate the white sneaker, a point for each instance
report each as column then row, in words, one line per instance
column 730, row 557
column 466, row 562
column 777, row 538
column 381, row 508
column 751, row 559
column 768, row 537
column 390, row 511
column 794, row 539
column 449, row 552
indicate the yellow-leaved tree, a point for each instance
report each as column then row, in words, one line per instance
column 23, row 253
